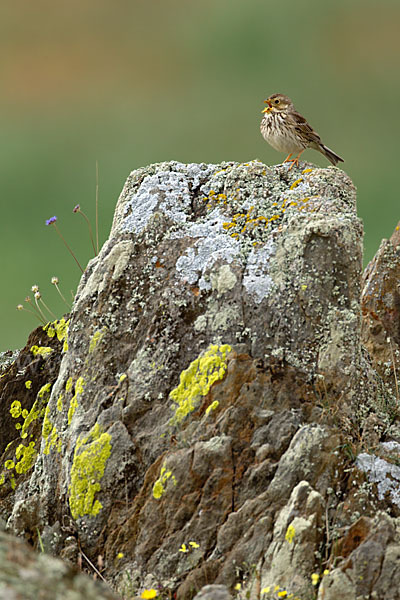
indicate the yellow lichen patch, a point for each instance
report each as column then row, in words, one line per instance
column 80, row 384
column 159, row 485
column 197, row 380
column 28, row 384
column 290, row 533
column 26, row 456
column 44, row 390
column 15, row 409
column 90, row 458
column 59, row 328
column 60, row 403
column 96, row 338
column 296, row 183
column 43, row 351
column 50, row 435
column 68, row 385
column 38, row 409
column 212, row 406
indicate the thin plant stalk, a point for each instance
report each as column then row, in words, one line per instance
column 47, row 308
column 52, row 221
column 92, row 565
column 90, row 229
column 34, row 313
column 61, row 294
column 38, row 313
column 97, row 206
column 39, row 309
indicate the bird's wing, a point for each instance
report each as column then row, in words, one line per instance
column 305, row 129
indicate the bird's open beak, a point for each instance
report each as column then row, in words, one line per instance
column 267, row 108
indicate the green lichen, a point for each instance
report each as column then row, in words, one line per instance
column 90, row 458
column 44, row 391
column 15, row 409
column 43, row 351
column 26, row 456
column 50, row 434
column 79, row 386
column 38, row 409
column 96, row 338
column 47, row 424
column 159, row 485
column 59, row 328
column 197, row 380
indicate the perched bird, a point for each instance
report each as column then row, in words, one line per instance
column 287, row 131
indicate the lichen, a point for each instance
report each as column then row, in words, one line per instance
column 159, row 485
column 89, row 462
column 79, row 386
column 59, row 328
column 38, row 409
column 26, row 456
column 385, row 474
column 96, row 338
column 43, row 351
column 197, row 379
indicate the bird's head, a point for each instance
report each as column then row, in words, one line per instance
column 277, row 103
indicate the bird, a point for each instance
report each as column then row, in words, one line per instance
column 286, row 130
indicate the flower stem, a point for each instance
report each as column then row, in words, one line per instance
column 97, row 206
column 67, row 246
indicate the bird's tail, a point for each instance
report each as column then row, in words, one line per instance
column 330, row 155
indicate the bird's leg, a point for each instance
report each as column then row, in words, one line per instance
column 287, row 159
column 295, row 160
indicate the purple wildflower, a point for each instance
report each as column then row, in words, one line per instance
column 51, row 220
column 76, row 208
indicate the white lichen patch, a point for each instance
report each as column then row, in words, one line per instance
column 386, row 475
column 214, row 245
column 166, row 192
column 257, row 281
column 224, row 280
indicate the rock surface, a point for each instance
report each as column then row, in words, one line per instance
column 212, row 416
column 25, row 574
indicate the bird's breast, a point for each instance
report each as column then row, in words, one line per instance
column 278, row 132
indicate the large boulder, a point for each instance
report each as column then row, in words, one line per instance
column 209, row 416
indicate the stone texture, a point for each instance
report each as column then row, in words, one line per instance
column 27, row 575
column 204, row 423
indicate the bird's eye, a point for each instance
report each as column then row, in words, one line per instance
column 276, row 101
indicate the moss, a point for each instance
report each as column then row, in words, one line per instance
column 90, row 458
column 197, row 379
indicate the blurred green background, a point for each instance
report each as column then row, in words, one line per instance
column 129, row 82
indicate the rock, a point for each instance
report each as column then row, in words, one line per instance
column 213, row 592
column 203, row 424
column 380, row 303
column 371, row 569
column 27, row 575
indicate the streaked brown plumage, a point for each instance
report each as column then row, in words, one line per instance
column 286, row 130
